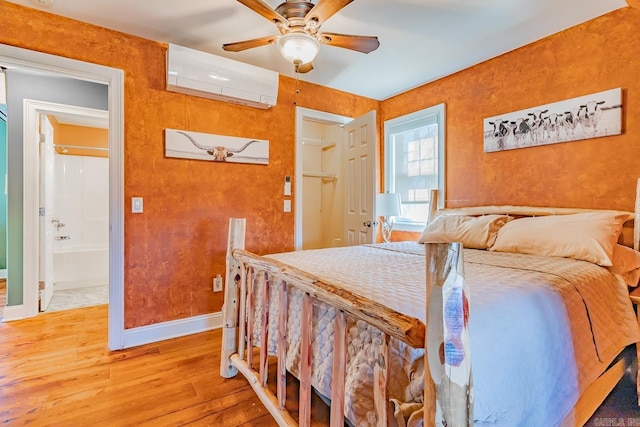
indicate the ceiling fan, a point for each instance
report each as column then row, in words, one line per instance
column 299, row 23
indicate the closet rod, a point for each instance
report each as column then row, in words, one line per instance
column 81, row 147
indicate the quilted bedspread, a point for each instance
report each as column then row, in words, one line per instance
column 542, row 329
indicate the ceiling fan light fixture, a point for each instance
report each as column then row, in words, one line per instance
column 298, row 48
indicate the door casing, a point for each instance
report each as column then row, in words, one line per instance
column 303, row 114
column 11, row 56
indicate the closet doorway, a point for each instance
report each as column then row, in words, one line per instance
column 335, row 179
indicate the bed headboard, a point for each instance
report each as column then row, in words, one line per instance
column 630, row 235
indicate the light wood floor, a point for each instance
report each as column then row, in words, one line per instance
column 55, row 369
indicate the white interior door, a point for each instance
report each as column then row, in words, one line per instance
column 47, row 228
column 359, row 152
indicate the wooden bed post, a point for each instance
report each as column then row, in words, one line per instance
column 381, row 383
column 636, row 220
column 281, row 375
column 306, row 319
column 636, row 246
column 237, row 227
column 448, row 381
column 433, row 205
column 264, row 329
column 339, row 361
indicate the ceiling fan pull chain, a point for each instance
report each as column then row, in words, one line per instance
column 295, row 94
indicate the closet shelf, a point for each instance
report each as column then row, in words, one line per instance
column 325, row 176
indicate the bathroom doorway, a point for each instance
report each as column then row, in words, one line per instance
column 74, row 204
column 22, row 280
column 3, row 197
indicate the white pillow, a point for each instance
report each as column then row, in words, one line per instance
column 473, row 232
column 589, row 236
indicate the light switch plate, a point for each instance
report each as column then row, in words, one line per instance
column 137, row 205
column 287, row 205
column 287, row 185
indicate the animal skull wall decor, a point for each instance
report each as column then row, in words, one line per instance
column 217, row 148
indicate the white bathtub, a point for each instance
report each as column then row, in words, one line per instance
column 80, row 267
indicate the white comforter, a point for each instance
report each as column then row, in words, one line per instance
column 542, row 329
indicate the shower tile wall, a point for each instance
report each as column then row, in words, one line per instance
column 81, row 202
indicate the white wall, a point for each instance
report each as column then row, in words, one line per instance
column 333, row 194
column 81, row 201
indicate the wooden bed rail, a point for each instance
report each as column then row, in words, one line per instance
column 248, row 273
column 405, row 328
column 448, row 389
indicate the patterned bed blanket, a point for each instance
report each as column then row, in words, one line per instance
column 542, row 329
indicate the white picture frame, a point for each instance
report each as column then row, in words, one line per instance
column 215, row 148
column 585, row 117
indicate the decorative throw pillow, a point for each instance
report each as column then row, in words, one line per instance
column 631, row 278
column 588, row 236
column 477, row 232
column 624, row 260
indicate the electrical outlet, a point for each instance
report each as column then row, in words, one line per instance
column 217, row 283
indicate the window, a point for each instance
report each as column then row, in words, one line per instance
column 414, row 163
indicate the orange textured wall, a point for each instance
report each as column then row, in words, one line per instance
column 81, row 136
column 598, row 173
column 174, row 249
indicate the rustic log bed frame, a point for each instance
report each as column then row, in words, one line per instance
column 442, row 260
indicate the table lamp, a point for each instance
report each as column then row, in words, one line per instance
column 387, row 206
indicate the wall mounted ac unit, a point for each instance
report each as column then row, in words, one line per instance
column 210, row 76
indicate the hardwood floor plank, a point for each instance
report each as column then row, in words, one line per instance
column 134, row 406
column 55, row 369
column 3, row 296
column 204, row 409
column 264, row 421
column 233, row 415
column 59, row 382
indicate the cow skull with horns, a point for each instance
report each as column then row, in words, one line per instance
column 219, row 152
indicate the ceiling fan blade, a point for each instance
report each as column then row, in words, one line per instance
column 305, row 68
column 248, row 44
column 324, row 10
column 262, row 8
column 364, row 44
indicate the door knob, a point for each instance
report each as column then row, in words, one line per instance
column 367, row 223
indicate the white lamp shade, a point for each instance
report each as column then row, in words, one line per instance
column 388, row 204
column 298, row 48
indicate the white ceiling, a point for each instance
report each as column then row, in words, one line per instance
column 84, row 121
column 420, row 40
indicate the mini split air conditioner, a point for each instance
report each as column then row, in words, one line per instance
column 206, row 75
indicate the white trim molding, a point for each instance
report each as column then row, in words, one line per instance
column 11, row 56
column 31, row 177
column 172, row 329
column 13, row 312
column 303, row 114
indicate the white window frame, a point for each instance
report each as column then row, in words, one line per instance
column 389, row 178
